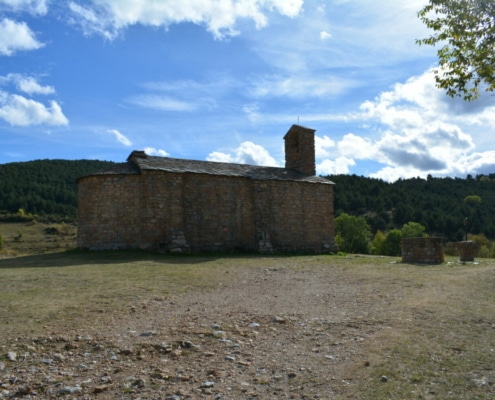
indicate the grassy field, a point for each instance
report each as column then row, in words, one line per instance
column 24, row 238
column 437, row 323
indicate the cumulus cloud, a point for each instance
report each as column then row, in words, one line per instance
column 340, row 165
column 120, row 137
column 356, row 147
column 20, row 111
column 323, row 146
column 16, row 36
column 26, row 84
column 247, row 153
column 415, row 132
column 109, row 17
column 155, row 152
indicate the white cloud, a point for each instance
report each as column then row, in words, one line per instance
column 334, row 167
column 93, row 21
column 252, row 111
column 246, row 153
column 415, row 130
column 155, row 152
column 356, row 147
column 31, row 86
column 325, row 35
column 108, row 17
column 300, row 85
column 39, row 7
column 120, row 137
column 163, row 103
column 477, row 163
column 218, row 156
column 323, row 146
column 16, row 36
column 420, row 134
column 17, row 110
column 27, row 84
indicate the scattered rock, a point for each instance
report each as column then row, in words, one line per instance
column 481, row 382
column 100, row 389
column 139, row 383
column 147, row 334
column 69, row 390
column 11, row 356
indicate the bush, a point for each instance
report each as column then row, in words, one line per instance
column 413, row 229
column 378, row 243
column 392, row 247
column 353, row 234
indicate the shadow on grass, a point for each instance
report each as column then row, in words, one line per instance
column 77, row 257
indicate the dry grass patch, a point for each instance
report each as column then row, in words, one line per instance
column 68, row 289
column 439, row 338
column 24, row 238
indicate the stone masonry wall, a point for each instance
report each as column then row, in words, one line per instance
column 425, row 250
column 108, row 212
column 297, row 216
column 200, row 212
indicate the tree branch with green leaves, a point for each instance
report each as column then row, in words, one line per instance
column 466, row 31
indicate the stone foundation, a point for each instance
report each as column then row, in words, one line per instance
column 426, row 250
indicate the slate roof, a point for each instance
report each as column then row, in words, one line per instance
column 139, row 161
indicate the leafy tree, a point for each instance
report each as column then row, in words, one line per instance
column 472, row 200
column 466, row 29
column 483, row 244
column 412, row 229
column 391, row 247
column 352, row 234
column 378, row 243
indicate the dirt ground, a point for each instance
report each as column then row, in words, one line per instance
column 297, row 331
column 274, row 333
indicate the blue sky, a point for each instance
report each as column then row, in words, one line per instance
column 224, row 81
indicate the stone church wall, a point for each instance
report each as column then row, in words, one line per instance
column 108, row 212
column 181, row 212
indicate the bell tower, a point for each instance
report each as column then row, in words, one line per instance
column 300, row 149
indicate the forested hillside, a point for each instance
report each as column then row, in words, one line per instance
column 445, row 206
column 44, row 187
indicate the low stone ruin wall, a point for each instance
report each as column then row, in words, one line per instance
column 467, row 250
column 424, row 250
